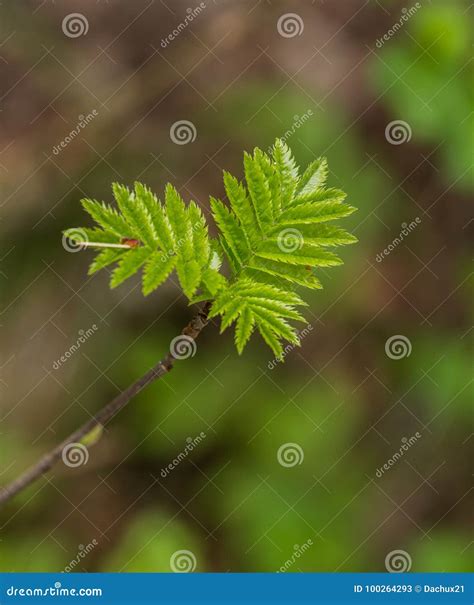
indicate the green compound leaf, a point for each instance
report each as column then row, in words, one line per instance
column 273, row 233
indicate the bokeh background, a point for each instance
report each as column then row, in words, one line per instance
column 327, row 81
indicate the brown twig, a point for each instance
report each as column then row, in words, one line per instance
column 106, row 414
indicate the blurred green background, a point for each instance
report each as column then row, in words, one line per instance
column 332, row 88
